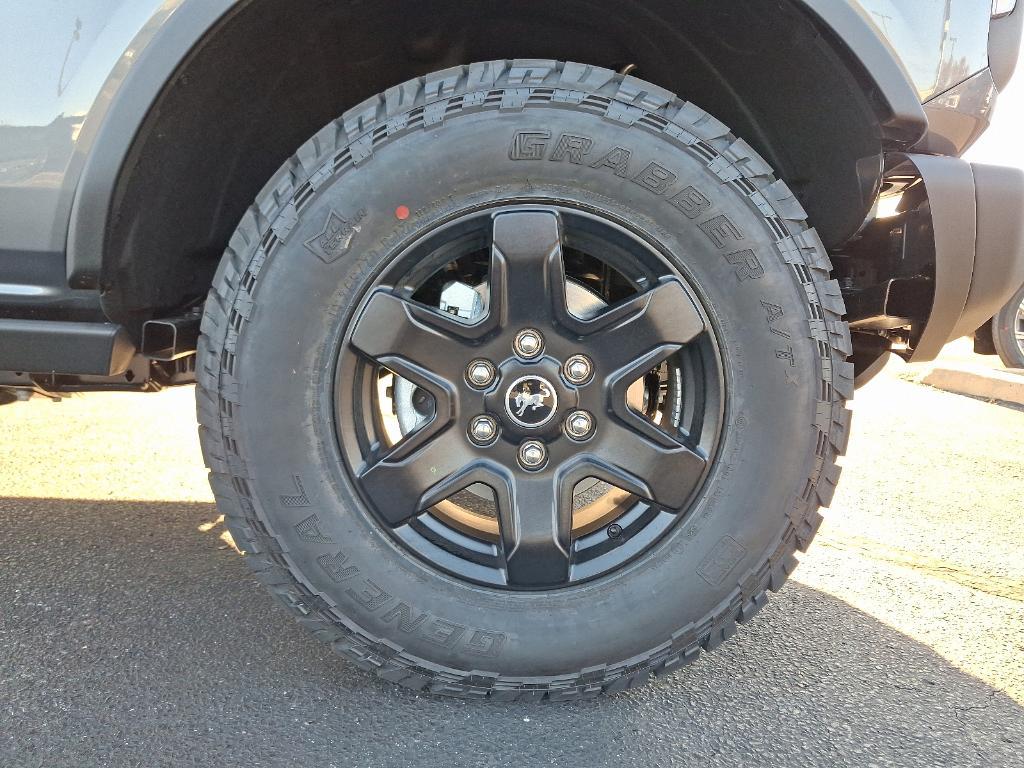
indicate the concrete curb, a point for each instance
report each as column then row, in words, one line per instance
column 986, row 383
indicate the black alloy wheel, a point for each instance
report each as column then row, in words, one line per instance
column 658, row 457
column 524, row 379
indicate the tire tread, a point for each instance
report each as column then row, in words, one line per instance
column 351, row 138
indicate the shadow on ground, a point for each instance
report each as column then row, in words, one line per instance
column 128, row 636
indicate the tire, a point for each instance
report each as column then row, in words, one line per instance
column 471, row 138
column 1008, row 332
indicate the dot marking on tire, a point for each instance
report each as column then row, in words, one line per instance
column 402, row 212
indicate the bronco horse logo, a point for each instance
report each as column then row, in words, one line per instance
column 527, row 399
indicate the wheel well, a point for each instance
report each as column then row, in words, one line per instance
column 271, row 74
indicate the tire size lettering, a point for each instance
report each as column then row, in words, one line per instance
column 773, row 312
column 309, row 530
column 409, row 621
column 617, row 160
column 299, row 499
column 571, row 148
column 654, row 177
column 369, row 595
column 691, row 202
column 720, row 230
column 529, row 145
column 786, row 354
column 334, row 566
column 747, row 265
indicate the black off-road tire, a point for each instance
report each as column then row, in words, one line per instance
column 437, row 144
column 1005, row 327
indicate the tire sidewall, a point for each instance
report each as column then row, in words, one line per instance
column 286, row 355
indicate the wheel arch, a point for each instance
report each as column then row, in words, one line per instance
column 229, row 88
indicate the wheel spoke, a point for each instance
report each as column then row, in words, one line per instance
column 662, row 316
column 390, row 326
column 663, row 474
column 404, row 483
column 619, row 384
column 527, row 272
column 535, row 518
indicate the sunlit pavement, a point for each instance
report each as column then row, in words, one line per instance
column 132, row 634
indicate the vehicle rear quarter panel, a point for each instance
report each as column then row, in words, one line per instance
column 61, row 64
column 940, row 42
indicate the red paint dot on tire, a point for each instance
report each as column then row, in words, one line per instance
column 402, row 212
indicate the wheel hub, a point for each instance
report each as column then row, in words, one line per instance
column 531, row 401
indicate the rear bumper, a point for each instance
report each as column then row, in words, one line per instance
column 977, row 231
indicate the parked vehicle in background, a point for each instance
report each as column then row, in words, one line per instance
column 1008, row 332
column 519, row 373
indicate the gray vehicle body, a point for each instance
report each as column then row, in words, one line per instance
column 133, row 133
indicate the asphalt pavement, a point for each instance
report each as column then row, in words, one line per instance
column 132, row 634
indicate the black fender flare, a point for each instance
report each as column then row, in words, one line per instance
column 850, row 24
column 151, row 69
column 901, row 115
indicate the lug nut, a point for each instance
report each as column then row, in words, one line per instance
column 483, row 430
column 579, row 425
column 532, row 454
column 578, row 369
column 528, row 343
column 480, row 373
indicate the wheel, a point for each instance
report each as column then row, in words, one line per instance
column 523, row 379
column 1008, row 332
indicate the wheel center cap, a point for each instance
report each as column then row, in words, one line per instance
column 531, row 401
